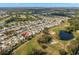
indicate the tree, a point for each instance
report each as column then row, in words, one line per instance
column 45, row 30
column 69, row 29
column 62, row 52
column 74, row 22
column 45, row 39
column 37, row 52
column 1, row 27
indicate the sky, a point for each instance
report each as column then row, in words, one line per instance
column 39, row 4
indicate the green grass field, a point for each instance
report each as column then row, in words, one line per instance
column 3, row 20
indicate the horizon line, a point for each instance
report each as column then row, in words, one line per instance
column 39, row 5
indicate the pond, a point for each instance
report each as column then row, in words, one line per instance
column 64, row 35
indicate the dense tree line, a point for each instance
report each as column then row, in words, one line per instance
column 10, row 20
column 74, row 23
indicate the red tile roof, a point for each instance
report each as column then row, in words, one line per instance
column 25, row 34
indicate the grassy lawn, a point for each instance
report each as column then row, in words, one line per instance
column 12, row 23
column 60, row 27
column 52, row 49
column 3, row 20
column 61, row 43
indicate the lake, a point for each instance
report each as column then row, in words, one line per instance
column 64, row 35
